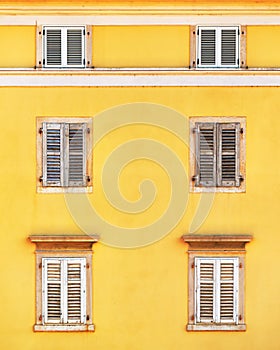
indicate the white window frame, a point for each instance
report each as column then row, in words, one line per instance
column 65, row 185
column 216, row 289
column 63, row 289
column 218, row 47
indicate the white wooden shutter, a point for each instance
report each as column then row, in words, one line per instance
column 77, row 155
column 228, row 135
column 53, row 154
column 205, row 290
column 75, row 47
column 52, row 47
column 64, row 290
column 218, row 47
column 76, row 290
column 52, row 289
column 216, row 290
column 207, row 47
column 206, row 154
column 229, row 47
column 228, row 291
column 64, row 47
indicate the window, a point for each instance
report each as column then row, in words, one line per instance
column 218, row 47
column 63, row 282
column 217, row 159
column 216, row 282
column 64, row 46
column 64, row 159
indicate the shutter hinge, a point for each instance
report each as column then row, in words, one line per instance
column 241, row 130
column 240, row 317
column 241, row 178
column 195, row 130
column 88, row 130
column 192, row 266
column 240, row 265
column 40, row 130
column 40, row 265
column 87, row 265
column 194, row 177
column 40, row 318
column 192, row 317
column 88, row 178
column 87, row 317
column 41, row 178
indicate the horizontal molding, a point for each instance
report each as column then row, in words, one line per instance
column 189, row 18
column 134, row 78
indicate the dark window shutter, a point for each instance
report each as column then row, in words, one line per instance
column 52, row 154
column 53, row 47
column 208, row 47
column 228, row 135
column 77, row 155
column 75, row 47
column 228, row 47
column 206, row 154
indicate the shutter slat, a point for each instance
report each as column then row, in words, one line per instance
column 206, row 154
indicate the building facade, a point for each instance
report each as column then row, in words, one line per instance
column 136, row 209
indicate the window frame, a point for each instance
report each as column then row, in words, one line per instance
column 216, row 247
column 64, row 247
column 86, row 53
column 194, row 48
column 42, row 185
column 195, row 185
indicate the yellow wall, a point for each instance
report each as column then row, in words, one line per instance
column 144, row 46
column 17, row 46
column 262, row 46
column 140, row 295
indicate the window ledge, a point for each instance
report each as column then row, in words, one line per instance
column 50, row 189
column 64, row 328
column 216, row 327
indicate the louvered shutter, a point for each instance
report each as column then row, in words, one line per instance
column 229, row 47
column 207, row 47
column 216, row 290
column 52, row 290
column 52, row 154
column 76, row 290
column 53, row 47
column 205, row 290
column 228, row 291
column 77, row 155
column 75, row 47
column 206, row 154
column 228, row 135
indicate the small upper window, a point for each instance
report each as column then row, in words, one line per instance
column 64, row 159
column 218, row 47
column 217, row 158
column 63, row 47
